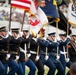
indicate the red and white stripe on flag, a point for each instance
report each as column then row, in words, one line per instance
column 23, row 4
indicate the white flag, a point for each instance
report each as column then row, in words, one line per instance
column 72, row 14
column 37, row 21
column 41, row 15
column 35, row 25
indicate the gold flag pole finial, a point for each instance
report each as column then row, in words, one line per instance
column 54, row 2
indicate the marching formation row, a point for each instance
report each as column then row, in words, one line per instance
column 18, row 50
column 35, row 47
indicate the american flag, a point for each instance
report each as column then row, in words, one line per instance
column 23, row 4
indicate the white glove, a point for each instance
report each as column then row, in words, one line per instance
column 58, row 57
column 21, row 33
column 46, row 35
column 37, row 58
column 44, row 38
column 58, row 38
column 68, row 36
column 28, row 55
column 35, row 39
column 55, row 40
column 38, row 35
column 27, row 36
column 17, row 57
column 67, row 59
column 46, row 57
column 8, row 56
column 9, row 33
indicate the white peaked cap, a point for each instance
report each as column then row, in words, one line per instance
column 73, row 34
column 26, row 27
column 50, row 29
column 61, row 32
column 15, row 25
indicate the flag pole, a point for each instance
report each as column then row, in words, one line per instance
column 46, row 37
column 10, row 18
column 23, row 20
column 57, row 36
column 67, row 34
column 6, row 2
column 57, row 20
column 37, row 51
column 46, row 51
